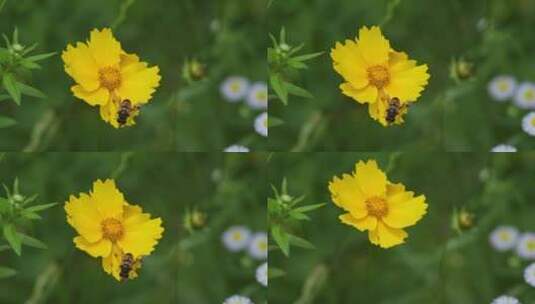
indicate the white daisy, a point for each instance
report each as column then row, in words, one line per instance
column 236, row 238
column 529, row 274
column 528, row 123
column 237, row 148
column 262, row 274
column 261, row 124
column 258, row 247
column 236, row 299
column 234, row 88
column 504, row 238
column 503, row 148
column 526, row 246
column 257, row 98
column 525, row 96
column 505, row 300
column 502, row 87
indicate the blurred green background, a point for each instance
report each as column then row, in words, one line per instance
column 228, row 188
column 436, row 264
column 223, row 35
column 494, row 35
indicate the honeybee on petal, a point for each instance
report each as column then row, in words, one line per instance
column 128, row 264
column 394, row 110
column 125, row 111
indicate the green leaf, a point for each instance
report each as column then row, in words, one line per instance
column 40, row 57
column 280, row 90
column 298, row 216
column 39, row 207
column 281, row 238
column 4, row 97
column 4, row 247
column 32, row 242
column 297, row 91
column 6, row 272
column 30, row 65
column 30, row 91
column 307, row 56
column 13, row 238
column 297, row 64
column 10, row 84
column 4, row 205
column 308, row 208
column 275, row 272
column 274, row 121
column 30, row 215
column 6, row 122
column 300, row 242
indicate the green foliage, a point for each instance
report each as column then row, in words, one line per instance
column 15, row 213
column 284, row 213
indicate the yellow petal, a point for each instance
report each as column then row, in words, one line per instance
column 84, row 217
column 363, row 224
column 108, row 199
column 138, row 82
column 108, row 113
column 377, row 111
column 371, row 180
column 96, row 97
column 100, row 248
column 81, row 66
column 349, row 63
column 406, row 79
column 112, row 263
column 365, row 95
column 346, row 194
column 105, row 48
column 373, row 46
column 388, row 237
column 404, row 211
column 141, row 233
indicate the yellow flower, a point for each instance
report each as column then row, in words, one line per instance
column 105, row 75
column 110, row 228
column 377, row 205
column 374, row 73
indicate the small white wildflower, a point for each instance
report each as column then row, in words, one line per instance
column 502, row 87
column 236, row 238
column 261, row 124
column 503, row 148
column 526, row 246
column 257, row 97
column 236, row 299
column 237, row 149
column 529, row 274
column 262, row 274
column 234, row 88
column 258, row 247
column 504, row 238
column 525, row 96
column 528, row 123
column 505, row 300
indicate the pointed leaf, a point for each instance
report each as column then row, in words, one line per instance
column 307, row 56
column 300, row 242
column 4, row 205
column 40, row 207
column 279, row 89
column 297, row 91
column 6, row 272
column 11, row 87
column 13, row 238
column 6, row 122
column 308, row 208
column 281, row 238
column 32, row 242
column 40, row 56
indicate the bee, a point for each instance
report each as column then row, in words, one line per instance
column 394, row 109
column 125, row 110
column 126, row 266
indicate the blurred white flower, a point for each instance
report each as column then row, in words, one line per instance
column 238, row 300
column 529, row 274
column 257, row 98
column 236, row 238
column 261, row 124
column 528, row 123
column 234, row 88
column 505, row 300
column 258, row 247
column 236, row 148
column 525, row 96
column 504, row 238
column 262, row 274
column 526, row 246
column 503, row 148
column 502, row 87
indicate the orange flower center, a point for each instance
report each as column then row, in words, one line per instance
column 112, row 229
column 378, row 76
column 110, row 78
column 376, row 206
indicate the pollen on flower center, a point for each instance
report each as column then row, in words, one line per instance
column 378, row 76
column 112, row 229
column 110, row 78
column 376, row 207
